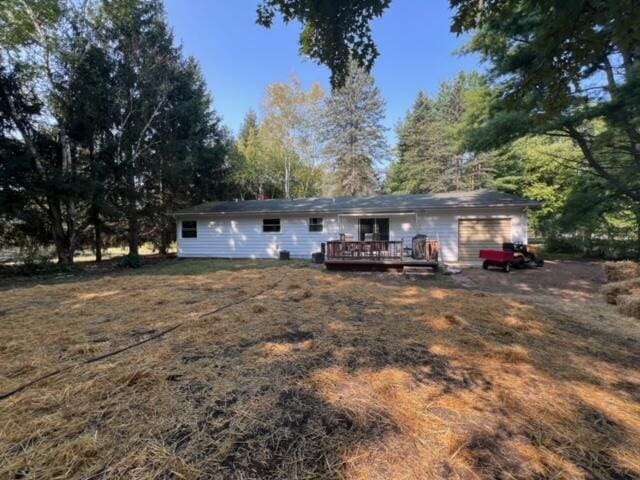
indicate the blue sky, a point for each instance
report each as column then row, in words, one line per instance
column 239, row 58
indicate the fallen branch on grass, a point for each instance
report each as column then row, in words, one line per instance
column 59, row 371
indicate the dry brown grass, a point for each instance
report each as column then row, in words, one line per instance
column 625, row 294
column 629, row 305
column 324, row 376
column 613, row 290
column 624, row 270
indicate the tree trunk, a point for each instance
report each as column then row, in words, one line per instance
column 95, row 207
column 69, row 172
column 165, row 237
column 638, row 235
column 133, row 229
column 64, row 250
column 65, row 257
column 132, row 217
column 287, row 192
column 97, row 239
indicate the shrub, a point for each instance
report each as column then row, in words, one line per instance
column 33, row 259
column 43, row 268
column 588, row 247
column 132, row 260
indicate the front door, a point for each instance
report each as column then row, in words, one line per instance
column 379, row 227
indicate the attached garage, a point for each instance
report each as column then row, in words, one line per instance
column 481, row 233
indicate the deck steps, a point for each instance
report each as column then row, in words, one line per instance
column 421, row 270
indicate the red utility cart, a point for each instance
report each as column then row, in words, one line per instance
column 497, row 258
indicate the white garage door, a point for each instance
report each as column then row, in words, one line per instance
column 481, row 233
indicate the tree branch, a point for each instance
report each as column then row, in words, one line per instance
column 598, row 168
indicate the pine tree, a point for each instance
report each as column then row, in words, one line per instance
column 355, row 135
column 35, row 53
column 188, row 162
column 423, row 151
column 104, row 126
column 430, row 154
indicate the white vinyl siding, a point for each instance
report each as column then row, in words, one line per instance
column 443, row 226
column 243, row 237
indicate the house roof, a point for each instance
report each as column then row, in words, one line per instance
column 379, row 203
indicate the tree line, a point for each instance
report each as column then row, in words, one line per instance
column 436, row 152
column 307, row 143
column 336, row 146
column 106, row 127
column 558, row 118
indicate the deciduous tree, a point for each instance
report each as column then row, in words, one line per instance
column 558, row 67
column 333, row 32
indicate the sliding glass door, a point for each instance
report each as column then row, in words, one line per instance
column 378, row 227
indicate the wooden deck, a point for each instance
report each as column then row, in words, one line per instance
column 377, row 255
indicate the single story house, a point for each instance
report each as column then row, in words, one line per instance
column 462, row 222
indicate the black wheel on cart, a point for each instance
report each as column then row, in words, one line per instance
column 507, row 267
column 485, row 265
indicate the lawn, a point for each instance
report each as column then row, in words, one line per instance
column 283, row 370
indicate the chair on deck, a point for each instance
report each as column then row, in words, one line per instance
column 347, row 249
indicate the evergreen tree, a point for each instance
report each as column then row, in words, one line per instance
column 104, row 127
column 430, row 156
column 41, row 42
column 557, row 68
column 144, row 62
column 90, row 113
column 354, row 134
column 423, row 151
column 188, row 162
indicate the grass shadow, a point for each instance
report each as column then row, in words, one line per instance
column 367, row 376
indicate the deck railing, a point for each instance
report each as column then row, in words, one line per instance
column 379, row 250
column 365, row 250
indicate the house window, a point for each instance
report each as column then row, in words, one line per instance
column 315, row 224
column 271, row 225
column 189, row 229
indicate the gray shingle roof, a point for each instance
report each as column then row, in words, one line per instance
column 379, row 203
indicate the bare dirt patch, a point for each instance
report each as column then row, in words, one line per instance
column 324, row 376
column 573, row 280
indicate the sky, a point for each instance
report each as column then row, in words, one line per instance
column 239, row 59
